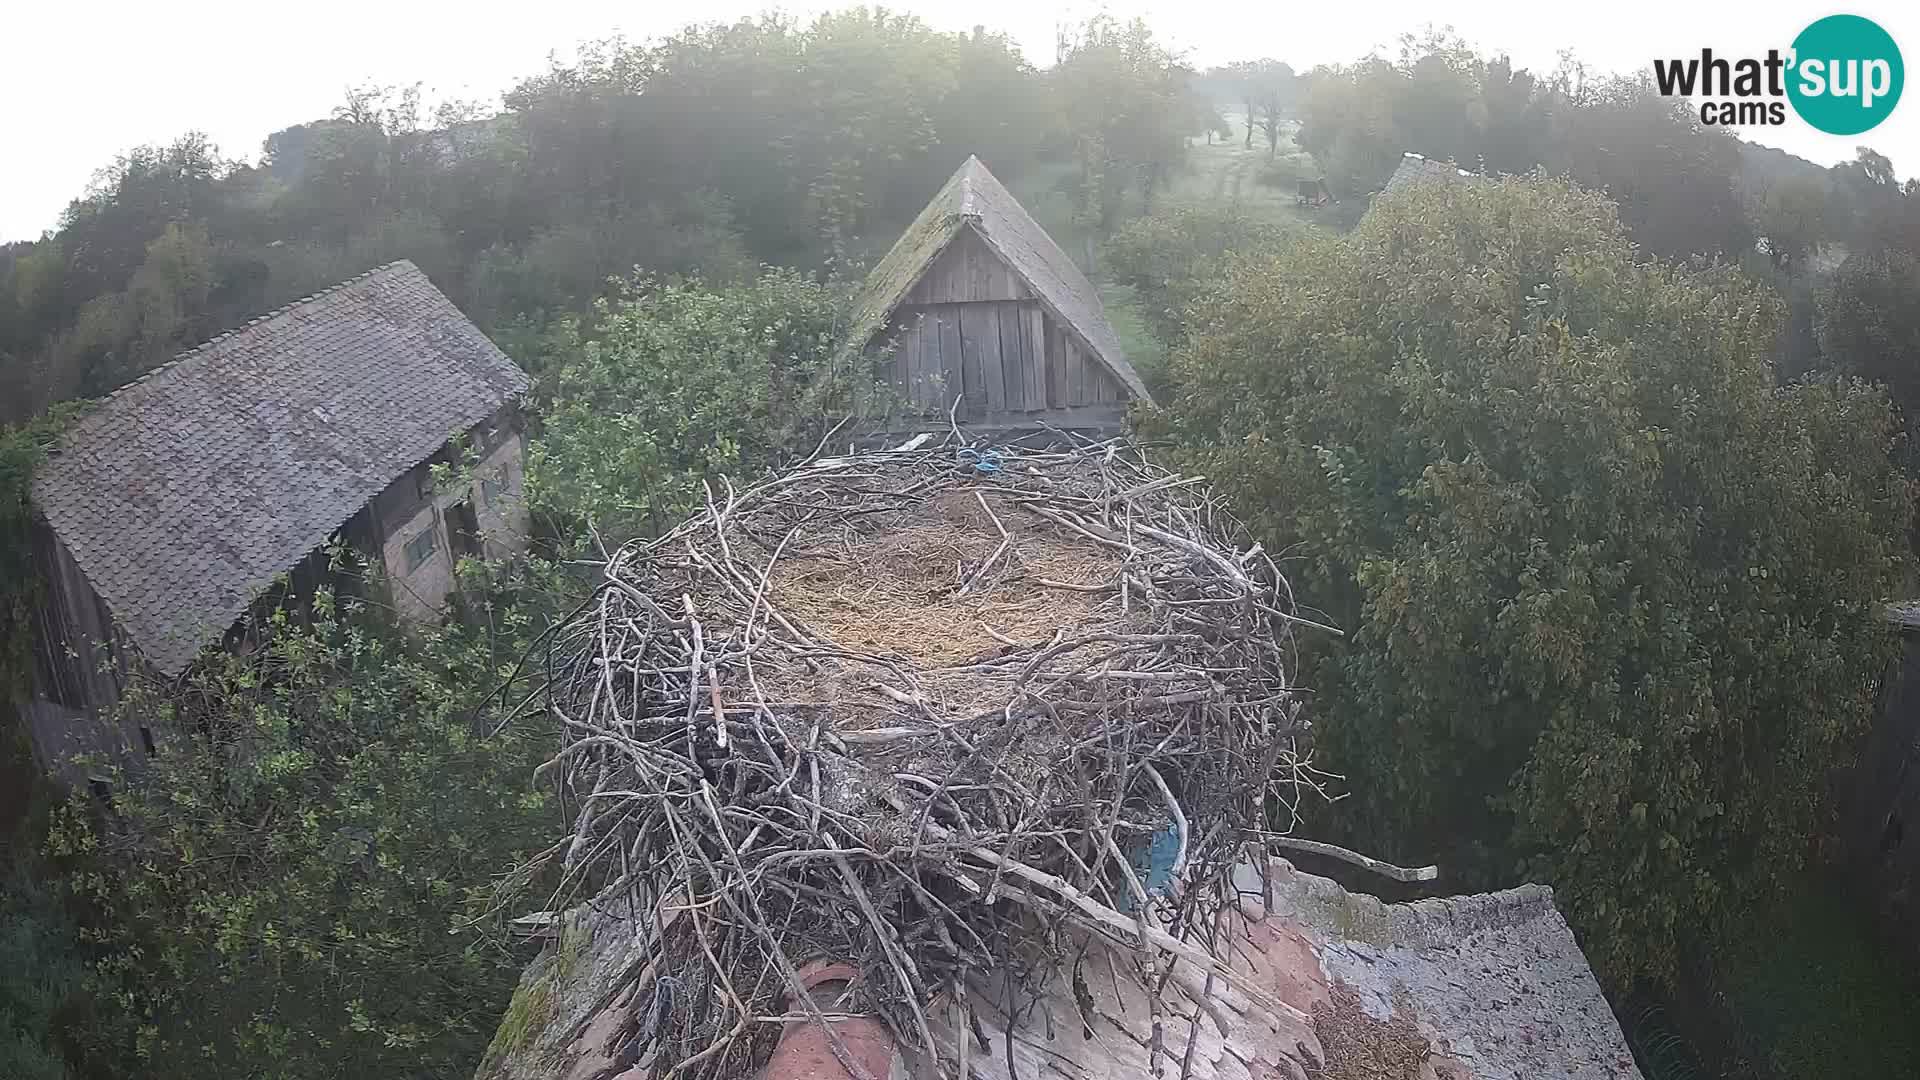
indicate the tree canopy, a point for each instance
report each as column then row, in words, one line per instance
column 1611, row 592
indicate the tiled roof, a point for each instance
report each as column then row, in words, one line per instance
column 974, row 197
column 1484, row 987
column 183, row 495
column 1414, row 169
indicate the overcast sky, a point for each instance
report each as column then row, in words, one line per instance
column 82, row 82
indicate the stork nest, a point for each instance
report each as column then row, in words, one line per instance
column 929, row 713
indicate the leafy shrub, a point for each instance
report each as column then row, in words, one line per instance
column 40, row 978
column 1867, row 322
column 1169, row 257
column 1610, row 593
column 1288, row 170
column 289, row 889
column 680, row 382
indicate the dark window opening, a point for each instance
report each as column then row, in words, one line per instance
column 421, row 548
column 492, row 487
column 146, row 740
column 463, row 530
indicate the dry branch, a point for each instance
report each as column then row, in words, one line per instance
column 924, row 711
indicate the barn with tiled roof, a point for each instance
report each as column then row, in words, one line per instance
column 175, row 503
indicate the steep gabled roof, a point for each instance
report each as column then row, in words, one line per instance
column 184, row 494
column 1415, row 169
column 974, row 199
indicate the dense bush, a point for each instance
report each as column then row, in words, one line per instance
column 1868, row 322
column 289, row 888
column 1170, row 257
column 681, row 382
column 41, row 976
column 1610, row 593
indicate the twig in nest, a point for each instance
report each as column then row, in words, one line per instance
column 751, row 732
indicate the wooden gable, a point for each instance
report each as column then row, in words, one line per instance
column 972, row 327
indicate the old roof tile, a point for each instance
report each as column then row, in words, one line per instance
column 184, row 493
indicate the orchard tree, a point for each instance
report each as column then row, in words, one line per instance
column 1610, row 593
column 1124, row 98
column 1268, row 88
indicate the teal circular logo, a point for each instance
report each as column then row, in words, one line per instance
column 1846, row 76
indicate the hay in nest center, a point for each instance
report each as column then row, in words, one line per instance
column 932, row 713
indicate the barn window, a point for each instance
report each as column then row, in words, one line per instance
column 492, row 486
column 421, row 548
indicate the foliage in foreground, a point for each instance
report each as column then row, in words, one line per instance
column 1812, row 990
column 1609, row 592
column 679, row 382
column 40, row 978
column 287, row 889
column 1171, row 257
column 1868, row 321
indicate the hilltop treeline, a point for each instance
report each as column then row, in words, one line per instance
column 771, row 141
column 764, row 141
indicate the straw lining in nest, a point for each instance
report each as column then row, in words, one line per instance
column 925, row 712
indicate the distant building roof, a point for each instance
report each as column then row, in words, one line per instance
column 1904, row 614
column 184, row 494
column 1415, row 169
column 973, row 197
column 1485, row 987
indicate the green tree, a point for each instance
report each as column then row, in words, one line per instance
column 1346, row 123
column 41, row 978
column 289, row 886
column 1795, row 219
column 681, row 382
column 1124, row 99
column 1867, row 321
column 1672, row 178
column 1172, row 258
column 1610, row 592
column 1268, row 88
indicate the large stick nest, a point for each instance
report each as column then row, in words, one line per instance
column 930, row 713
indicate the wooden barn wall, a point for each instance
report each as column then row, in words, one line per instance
column 72, row 628
column 999, row 357
column 79, row 674
column 965, row 272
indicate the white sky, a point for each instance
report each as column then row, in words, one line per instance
column 83, row 81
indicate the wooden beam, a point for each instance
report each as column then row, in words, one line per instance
column 981, row 336
column 1013, row 355
column 968, row 381
column 1034, row 333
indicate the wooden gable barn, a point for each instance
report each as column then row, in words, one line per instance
column 988, row 319
column 181, row 500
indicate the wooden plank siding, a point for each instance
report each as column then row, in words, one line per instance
column 1033, row 337
column 998, row 356
column 971, row 328
column 967, row 272
column 980, row 336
